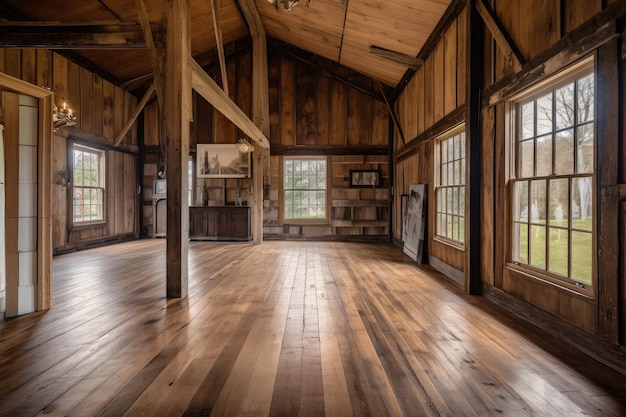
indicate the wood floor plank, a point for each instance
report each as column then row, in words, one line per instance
column 287, row 329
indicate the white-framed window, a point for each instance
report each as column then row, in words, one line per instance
column 552, row 179
column 304, row 189
column 88, row 185
column 450, row 187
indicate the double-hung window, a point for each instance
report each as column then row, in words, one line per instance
column 88, row 185
column 552, row 178
column 304, row 189
column 450, row 187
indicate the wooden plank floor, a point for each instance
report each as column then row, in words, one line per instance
column 284, row 329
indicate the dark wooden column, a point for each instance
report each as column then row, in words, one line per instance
column 473, row 279
column 177, row 113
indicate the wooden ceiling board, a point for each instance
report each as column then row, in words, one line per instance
column 52, row 10
column 402, row 26
column 316, row 28
column 125, row 64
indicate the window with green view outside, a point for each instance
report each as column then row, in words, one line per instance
column 553, row 186
column 304, row 187
column 88, row 185
column 450, row 191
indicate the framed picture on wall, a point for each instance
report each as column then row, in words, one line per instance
column 222, row 161
column 365, row 178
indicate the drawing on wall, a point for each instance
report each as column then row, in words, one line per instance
column 222, row 161
column 415, row 223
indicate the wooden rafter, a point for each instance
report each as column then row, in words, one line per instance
column 498, row 31
column 410, row 61
column 63, row 35
column 155, row 59
column 220, row 44
column 207, row 88
column 138, row 110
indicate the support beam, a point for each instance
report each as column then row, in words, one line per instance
column 155, row 59
column 83, row 35
column 410, row 61
column 392, row 113
column 135, row 114
column 207, row 88
column 177, row 113
column 220, row 44
column 499, row 33
column 260, row 110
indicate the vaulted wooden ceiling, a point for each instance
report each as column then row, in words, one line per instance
column 341, row 30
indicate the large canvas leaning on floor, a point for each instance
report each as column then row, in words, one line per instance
column 413, row 230
column 222, row 161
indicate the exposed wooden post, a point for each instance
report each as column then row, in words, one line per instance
column 473, row 248
column 177, row 113
column 260, row 110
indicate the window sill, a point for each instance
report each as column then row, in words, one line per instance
column 587, row 291
column 88, row 225
column 449, row 242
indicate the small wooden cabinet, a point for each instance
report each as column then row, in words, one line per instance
column 219, row 223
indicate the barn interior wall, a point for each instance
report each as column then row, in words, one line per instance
column 427, row 107
column 102, row 109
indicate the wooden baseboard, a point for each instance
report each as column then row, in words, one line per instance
column 613, row 356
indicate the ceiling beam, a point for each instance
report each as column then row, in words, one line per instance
column 207, row 88
column 407, row 60
column 220, row 44
column 70, row 35
column 155, row 59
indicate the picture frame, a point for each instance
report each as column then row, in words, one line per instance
column 222, row 161
column 364, row 178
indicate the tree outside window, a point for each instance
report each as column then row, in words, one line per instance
column 552, row 185
column 88, row 185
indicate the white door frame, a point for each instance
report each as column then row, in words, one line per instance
column 44, row 191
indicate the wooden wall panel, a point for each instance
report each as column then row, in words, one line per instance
column 108, row 110
column 13, row 62
column 450, row 69
column 29, row 66
column 86, row 115
column 306, row 122
column 98, row 106
column 359, row 118
column 577, row 12
column 461, row 58
column 73, row 91
column 322, row 110
column 273, row 69
column 287, row 96
column 338, row 113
